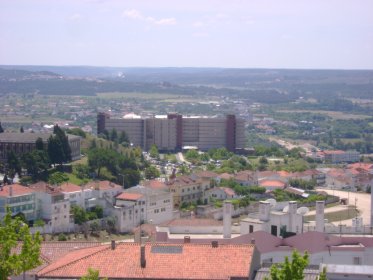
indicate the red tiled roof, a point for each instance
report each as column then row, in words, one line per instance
column 45, row 188
column 272, row 183
column 228, row 191
column 163, row 261
column 130, row 196
column 17, row 190
column 154, row 184
column 226, row 176
column 206, row 174
column 102, row 185
column 69, row 187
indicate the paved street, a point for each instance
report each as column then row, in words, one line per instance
column 362, row 203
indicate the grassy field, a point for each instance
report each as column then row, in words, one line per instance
column 162, row 96
column 333, row 114
column 336, row 216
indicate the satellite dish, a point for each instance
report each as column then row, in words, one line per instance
column 303, row 211
column 272, row 202
column 286, row 209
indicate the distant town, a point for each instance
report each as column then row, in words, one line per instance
column 129, row 183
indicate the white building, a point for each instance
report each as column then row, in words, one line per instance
column 52, row 207
column 139, row 204
column 274, row 222
column 75, row 194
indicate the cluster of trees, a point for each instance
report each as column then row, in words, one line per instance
column 241, row 190
column 81, row 215
column 37, row 162
column 114, row 136
column 303, row 184
column 123, row 168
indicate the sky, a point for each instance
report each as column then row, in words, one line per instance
column 317, row 34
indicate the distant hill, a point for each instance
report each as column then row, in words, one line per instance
column 261, row 85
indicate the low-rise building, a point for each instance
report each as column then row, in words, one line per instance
column 52, row 207
column 218, row 193
column 19, row 199
column 187, row 189
column 339, row 156
column 21, row 143
column 139, row 204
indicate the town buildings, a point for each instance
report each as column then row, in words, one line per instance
column 21, row 143
column 173, row 131
column 341, row 156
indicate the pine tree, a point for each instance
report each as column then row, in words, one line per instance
column 39, row 144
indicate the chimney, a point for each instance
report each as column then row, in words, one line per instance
column 214, row 244
column 227, row 219
column 186, row 239
column 320, row 216
column 264, row 210
column 252, row 241
column 142, row 256
column 10, row 190
column 292, row 213
column 113, row 244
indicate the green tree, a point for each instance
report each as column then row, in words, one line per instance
column 290, row 270
column 55, row 150
column 57, row 178
column 92, row 275
column 39, row 144
column 123, row 138
column 14, row 164
column 322, row 275
column 80, row 215
column 153, row 152
column 61, row 135
column 99, row 158
column 114, row 135
column 35, row 162
column 12, row 232
column 151, row 172
column 129, row 177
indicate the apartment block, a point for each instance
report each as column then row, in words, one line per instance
column 173, row 131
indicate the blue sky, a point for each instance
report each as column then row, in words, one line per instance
column 192, row 33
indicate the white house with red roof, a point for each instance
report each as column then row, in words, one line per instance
column 139, row 205
column 19, row 199
column 52, row 207
column 219, row 193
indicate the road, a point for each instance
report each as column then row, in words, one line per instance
column 362, row 203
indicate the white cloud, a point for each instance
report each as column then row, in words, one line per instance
column 76, row 17
column 166, row 21
column 133, row 14
column 137, row 15
column 198, row 24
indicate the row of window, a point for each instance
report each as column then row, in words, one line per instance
column 16, row 209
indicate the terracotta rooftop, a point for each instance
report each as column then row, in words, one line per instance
column 228, row 191
column 272, row 183
column 154, row 184
column 183, row 181
column 206, row 174
column 45, row 188
column 163, row 261
column 102, row 185
column 17, row 190
column 130, row 196
column 226, row 176
column 69, row 187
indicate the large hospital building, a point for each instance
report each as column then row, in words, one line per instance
column 174, row 132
